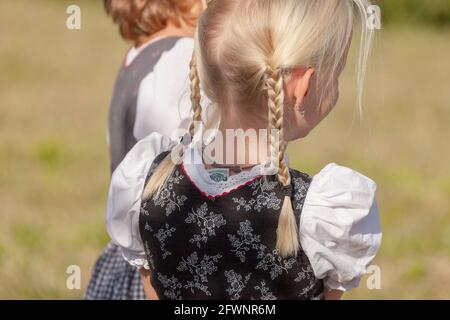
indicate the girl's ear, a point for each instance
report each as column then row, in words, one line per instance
column 298, row 84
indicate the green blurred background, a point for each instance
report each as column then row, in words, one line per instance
column 55, row 87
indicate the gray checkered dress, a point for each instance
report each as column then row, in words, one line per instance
column 114, row 279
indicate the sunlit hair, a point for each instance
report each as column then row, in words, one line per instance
column 137, row 18
column 244, row 49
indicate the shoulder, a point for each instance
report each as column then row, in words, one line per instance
column 340, row 229
column 340, row 193
column 143, row 154
column 335, row 186
column 341, row 187
column 299, row 178
column 184, row 45
column 125, row 194
column 180, row 49
column 174, row 60
column 129, row 178
column 336, row 176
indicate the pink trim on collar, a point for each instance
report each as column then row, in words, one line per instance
column 219, row 195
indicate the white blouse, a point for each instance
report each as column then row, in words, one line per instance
column 158, row 109
column 339, row 226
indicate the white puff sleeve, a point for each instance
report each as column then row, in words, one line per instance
column 124, row 198
column 340, row 230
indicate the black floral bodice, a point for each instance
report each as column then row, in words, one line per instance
column 224, row 247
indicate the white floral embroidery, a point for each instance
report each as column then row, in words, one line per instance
column 162, row 236
column 305, row 274
column 168, row 199
column 200, row 271
column 171, row 285
column 147, row 227
column 301, row 189
column 275, row 263
column 236, row 284
column 265, row 293
column 306, row 290
column 263, row 197
column 207, row 222
column 144, row 207
column 245, row 241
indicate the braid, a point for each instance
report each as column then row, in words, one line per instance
column 195, row 96
column 164, row 171
column 276, row 112
column 287, row 238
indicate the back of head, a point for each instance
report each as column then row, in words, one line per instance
column 244, row 51
column 239, row 40
column 145, row 17
column 246, row 48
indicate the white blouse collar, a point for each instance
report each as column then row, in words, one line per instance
column 194, row 168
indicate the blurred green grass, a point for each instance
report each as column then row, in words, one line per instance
column 55, row 87
column 431, row 12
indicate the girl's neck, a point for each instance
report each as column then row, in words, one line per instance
column 242, row 144
column 169, row 31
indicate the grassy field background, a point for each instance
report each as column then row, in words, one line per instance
column 55, row 87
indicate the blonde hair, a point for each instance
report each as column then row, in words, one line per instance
column 243, row 51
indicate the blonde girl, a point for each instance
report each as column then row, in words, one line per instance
column 269, row 65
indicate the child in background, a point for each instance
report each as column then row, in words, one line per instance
column 259, row 233
column 151, row 94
